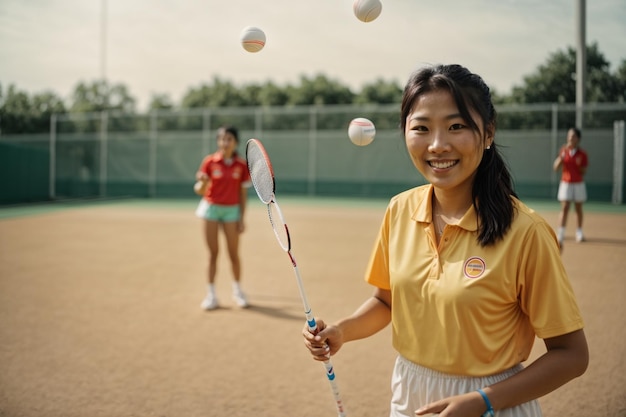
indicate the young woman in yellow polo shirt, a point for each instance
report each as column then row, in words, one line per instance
column 467, row 274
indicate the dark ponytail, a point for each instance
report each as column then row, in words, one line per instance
column 491, row 195
column 492, row 191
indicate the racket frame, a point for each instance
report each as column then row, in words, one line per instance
column 271, row 203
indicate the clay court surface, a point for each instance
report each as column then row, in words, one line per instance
column 100, row 313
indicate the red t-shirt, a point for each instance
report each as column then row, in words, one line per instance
column 226, row 178
column 572, row 164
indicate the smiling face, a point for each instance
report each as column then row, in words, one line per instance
column 226, row 142
column 442, row 145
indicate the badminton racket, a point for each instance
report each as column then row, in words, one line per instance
column 262, row 175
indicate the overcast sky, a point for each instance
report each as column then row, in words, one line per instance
column 169, row 46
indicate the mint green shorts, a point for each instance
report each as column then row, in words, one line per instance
column 218, row 213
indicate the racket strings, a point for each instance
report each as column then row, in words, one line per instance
column 260, row 172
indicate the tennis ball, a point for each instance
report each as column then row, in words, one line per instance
column 252, row 39
column 361, row 131
column 367, row 10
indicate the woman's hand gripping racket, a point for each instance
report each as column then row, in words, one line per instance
column 262, row 176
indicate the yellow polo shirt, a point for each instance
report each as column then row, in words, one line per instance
column 465, row 309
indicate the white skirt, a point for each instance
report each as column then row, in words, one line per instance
column 572, row 191
column 414, row 386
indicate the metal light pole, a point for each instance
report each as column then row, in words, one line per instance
column 581, row 61
column 103, row 41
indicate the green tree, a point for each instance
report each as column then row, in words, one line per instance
column 555, row 81
column 99, row 96
column 160, row 102
column 273, row 95
column 15, row 111
column 20, row 113
column 44, row 105
column 620, row 75
column 319, row 90
column 218, row 94
column 379, row 92
column 250, row 94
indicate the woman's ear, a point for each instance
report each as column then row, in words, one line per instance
column 489, row 134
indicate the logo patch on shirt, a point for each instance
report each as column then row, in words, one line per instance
column 217, row 173
column 474, row 267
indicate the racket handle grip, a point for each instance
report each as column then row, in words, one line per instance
column 330, row 370
column 330, row 373
column 310, row 321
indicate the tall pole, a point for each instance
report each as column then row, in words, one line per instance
column 581, row 61
column 103, row 53
column 103, row 41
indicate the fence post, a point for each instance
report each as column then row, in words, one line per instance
column 312, row 174
column 618, row 161
column 206, row 133
column 554, row 180
column 53, row 157
column 152, row 163
column 258, row 122
column 104, row 118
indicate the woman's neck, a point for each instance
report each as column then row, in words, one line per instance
column 227, row 155
column 450, row 204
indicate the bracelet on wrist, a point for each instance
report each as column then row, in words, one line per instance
column 489, row 412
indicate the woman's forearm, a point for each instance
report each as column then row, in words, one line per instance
column 567, row 358
column 373, row 316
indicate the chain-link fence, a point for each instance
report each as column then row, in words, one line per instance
column 156, row 155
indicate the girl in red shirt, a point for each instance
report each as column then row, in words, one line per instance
column 572, row 187
column 223, row 204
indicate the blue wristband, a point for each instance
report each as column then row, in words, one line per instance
column 489, row 412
